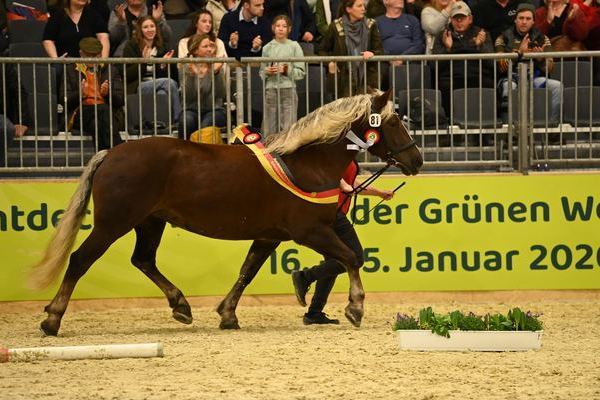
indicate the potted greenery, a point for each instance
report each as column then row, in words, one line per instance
column 455, row 331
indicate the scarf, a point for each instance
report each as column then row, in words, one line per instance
column 356, row 36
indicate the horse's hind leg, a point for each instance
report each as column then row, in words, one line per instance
column 80, row 261
column 259, row 252
column 149, row 233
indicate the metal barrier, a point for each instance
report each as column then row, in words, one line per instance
column 463, row 126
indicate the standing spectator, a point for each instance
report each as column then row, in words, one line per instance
column 198, row 90
column 219, row 8
column 148, row 43
column 122, row 23
column 325, row 12
column 525, row 38
column 435, row 17
column 67, row 26
column 302, row 17
column 400, row 33
column 564, row 22
column 16, row 121
column 245, row 30
column 496, row 16
column 281, row 99
column 352, row 35
column 201, row 23
column 462, row 37
column 92, row 112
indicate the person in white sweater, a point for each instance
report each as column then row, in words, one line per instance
column 202, row 23
column 435, row 18
column 281, row 99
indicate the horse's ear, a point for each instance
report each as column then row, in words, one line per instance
column 380, row 101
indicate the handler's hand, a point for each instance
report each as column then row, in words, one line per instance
column 386, row 194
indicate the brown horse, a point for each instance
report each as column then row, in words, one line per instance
column 222, row 192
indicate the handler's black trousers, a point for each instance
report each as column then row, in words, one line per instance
column 326, row 272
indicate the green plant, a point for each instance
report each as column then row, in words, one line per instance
column 441, row 324
column 404, row 321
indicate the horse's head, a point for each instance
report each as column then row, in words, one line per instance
column 392, row 142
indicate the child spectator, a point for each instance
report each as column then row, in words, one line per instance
column 281, row 99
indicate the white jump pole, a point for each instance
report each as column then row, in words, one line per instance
column 139, row 350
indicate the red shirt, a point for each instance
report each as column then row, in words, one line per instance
column 349, row 176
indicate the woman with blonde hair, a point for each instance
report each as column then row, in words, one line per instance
column 147, row 43
column 202, row 88
column 434, row 20
column 202, row 22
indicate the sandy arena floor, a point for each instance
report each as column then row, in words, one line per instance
column 274, row 356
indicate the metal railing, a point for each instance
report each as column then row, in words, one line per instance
column 459, row 126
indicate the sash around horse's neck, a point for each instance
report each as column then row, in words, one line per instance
column 280, row 173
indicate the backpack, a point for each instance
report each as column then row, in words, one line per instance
column 423, row 112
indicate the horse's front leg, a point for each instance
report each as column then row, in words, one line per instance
column 259, row 252
column 326, row 242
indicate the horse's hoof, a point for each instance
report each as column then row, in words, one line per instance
column 183, row 314
column 48, row 329
column 354, row 315
column 229, row 325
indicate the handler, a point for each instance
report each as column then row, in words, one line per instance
column 326, row 272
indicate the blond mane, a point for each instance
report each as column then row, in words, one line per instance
column 325, row 124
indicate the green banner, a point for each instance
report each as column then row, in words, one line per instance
column 496, row 232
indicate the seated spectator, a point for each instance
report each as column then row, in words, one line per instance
column 462, row 37
column 245, row 30
column 352, row 35
column 525, row 38
column 302, row 17
column 400, row 33
column 434, row 19
column 201, row 23
column 495, row 16
column 16, row 122
column 281, row 99
column 219, row 8
column 376, row 8
column 90, row 94
column 66, row 27
column 122, row 23
column 180, row 8
column 564, row 22
column 147, row 43
column 197, row 88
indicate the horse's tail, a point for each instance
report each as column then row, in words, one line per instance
column 59, row 248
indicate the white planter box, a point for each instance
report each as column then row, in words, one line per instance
column 425, row 340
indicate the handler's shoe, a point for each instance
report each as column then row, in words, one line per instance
column 319, row 318
column 301, row 286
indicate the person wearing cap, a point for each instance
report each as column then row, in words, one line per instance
column 524, row 38
column 462, row 37
column 91, row 90
column 202, row 88
column 495, row 16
